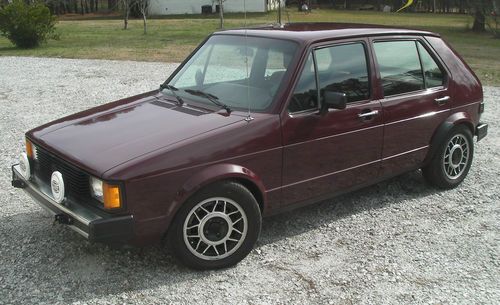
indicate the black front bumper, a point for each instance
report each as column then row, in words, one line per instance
column 92, row 224
column 481, row 131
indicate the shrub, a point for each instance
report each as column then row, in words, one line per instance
column 27, row 25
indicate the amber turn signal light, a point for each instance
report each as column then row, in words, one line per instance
column 29, row 149
column 111, row 194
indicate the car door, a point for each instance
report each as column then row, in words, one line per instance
column 415, row 100
column 328, row 152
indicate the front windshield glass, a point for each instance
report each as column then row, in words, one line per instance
column 219, row 68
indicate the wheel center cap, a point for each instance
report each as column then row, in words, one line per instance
column 215, row 228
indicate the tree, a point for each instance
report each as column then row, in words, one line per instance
column 27, row 25
column 477, row 7
column 221, row 13
column 126, row 12
column 143, row 8
column 482, row 10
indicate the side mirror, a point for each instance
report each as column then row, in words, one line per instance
column 333, row 99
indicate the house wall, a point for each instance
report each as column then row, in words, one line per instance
column 171, row 7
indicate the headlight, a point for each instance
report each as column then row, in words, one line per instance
column 106, row 193
column 24, row 166
column 31, row 150
column 96, row 189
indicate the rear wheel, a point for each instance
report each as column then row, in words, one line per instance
column 451, row 163
column 217, row 227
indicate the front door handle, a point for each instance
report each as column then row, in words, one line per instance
column 442, row 100
column 367, row 115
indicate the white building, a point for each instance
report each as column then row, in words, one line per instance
column 175, row 7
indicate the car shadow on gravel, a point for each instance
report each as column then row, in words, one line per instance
column 384, row 194
column 53, row 263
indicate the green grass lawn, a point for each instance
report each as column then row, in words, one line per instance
column 170, row 39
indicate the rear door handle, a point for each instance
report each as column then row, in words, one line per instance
column 364, row 115
column 442, row 100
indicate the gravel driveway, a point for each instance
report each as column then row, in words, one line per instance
column 397, row 242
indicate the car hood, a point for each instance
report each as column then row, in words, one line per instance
column 104, row 137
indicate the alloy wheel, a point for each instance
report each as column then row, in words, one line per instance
column 215, row 228
column 456, row 157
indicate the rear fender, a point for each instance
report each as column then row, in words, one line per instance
column 444, row 129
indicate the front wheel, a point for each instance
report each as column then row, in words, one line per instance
column 217, row 227
column 452, row 161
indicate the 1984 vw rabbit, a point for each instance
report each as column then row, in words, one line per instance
column 254, row 122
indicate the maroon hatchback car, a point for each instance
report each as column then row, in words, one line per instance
column 254, row 122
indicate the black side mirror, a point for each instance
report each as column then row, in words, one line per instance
column 333, row 99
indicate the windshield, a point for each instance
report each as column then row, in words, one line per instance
column 219, row 68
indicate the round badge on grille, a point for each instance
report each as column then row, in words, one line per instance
column 57, row 186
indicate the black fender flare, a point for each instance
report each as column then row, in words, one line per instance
column 444, row 129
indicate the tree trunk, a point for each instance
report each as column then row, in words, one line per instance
column 144, row 21
column 111, row 4
column 221, row 14
column 125, row 15
column 479, row 21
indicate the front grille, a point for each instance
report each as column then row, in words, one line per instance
column 76, row 182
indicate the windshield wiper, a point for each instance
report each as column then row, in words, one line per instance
column 172, row 89
column 214, row 99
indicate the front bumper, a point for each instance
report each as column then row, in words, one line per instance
column 481, row 131
column 92, row 224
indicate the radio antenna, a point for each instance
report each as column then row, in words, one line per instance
column 249, row 116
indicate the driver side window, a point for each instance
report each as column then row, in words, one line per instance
column 343, row 68
column 305, row 95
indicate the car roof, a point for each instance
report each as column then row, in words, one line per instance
column 318, row 31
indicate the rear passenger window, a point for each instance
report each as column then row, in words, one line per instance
column 399, row 66
column 433, row 75
column 343, row 69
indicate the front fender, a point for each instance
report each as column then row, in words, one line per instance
column 211, row 175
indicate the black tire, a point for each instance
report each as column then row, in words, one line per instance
column 441, row 174
column 219, row 196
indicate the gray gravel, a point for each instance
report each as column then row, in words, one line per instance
column 397, row 242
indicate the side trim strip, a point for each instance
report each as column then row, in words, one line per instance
column 428, row 114
column 333, row 136
column 462, row 106
column 404, row 153
column 325, row 175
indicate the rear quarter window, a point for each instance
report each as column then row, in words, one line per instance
column 433, row 74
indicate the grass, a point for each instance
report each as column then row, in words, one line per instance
column 170, row 39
